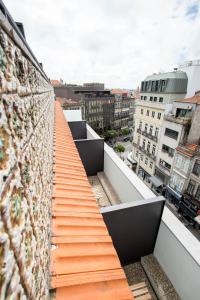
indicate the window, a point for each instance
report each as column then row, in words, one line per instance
column 151, row 98
column 197, row 196
column 142, row 111
column 145, row 98
column 171, row 133
column 155, row 99
column 141, row 157
column 153, row 114
column 148, row 147
column 146, row 161
column 196, row 169
column 136, row 154
column 142, row 87
column 151, row 164
column 159, row 116
column 143, row 143
column 153, row 149
column 141, row 97
column 160, row 99
column 140, row 125
column 165, row 165
column 147, row 112
column 146, row 127
column 191, row 187
column 151, row 130
column 167, row 149
column 153, row 84
column 156, row 132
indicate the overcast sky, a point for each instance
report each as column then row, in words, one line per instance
column 117, row 42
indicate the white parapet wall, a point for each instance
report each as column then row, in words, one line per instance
column 124, row 181
column 178, row 252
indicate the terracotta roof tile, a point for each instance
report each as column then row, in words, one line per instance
column 55, row 82
column 188, row 149
column 195, row 99
column 84, row 263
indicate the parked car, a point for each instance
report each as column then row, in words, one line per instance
column 126, row 139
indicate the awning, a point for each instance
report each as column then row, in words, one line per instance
column 173, row 193
column 156, row 181
column 130, row 159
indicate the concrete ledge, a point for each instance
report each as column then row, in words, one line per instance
column 110, row 192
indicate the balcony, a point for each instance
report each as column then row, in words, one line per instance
column 149, row 135
column 169, row 153
column 165, row 168
column 178, row 120
column 124, row 218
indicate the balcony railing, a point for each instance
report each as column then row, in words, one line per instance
column 149, row 135
column 179, row 120
column 147, row 153
column 164, row 168
column 169, row 153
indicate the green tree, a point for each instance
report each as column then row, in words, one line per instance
column 119, row 148
column 125, row 131
column 110, row 134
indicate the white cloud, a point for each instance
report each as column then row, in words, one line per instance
column 117, row 42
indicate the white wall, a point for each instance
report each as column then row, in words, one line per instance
column 168, row 141
column 193, row 74
column 125, row 182
column 73, row 114
column 178, row 252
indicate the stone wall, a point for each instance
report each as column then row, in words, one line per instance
column 26, row 169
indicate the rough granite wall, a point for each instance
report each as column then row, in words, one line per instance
column 26, row 134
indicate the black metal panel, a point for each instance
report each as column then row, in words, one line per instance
column 78, row 129
column 134, row 227
column 92, row 155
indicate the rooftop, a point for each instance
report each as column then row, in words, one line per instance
column 55, row 82
column 188, row 149
column 84, row 263
column 195, row 99
column 167, row 75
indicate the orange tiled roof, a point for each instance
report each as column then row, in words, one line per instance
column 188, row 149
column 55, row 82
column 195, row 99
column 119, row 91
column 84, row 263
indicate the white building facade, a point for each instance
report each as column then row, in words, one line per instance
column 158, row 92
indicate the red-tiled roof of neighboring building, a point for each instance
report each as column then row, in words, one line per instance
column 195, row 99
column 188, row 149
column 84, row 263
column 119, row 91
column 55, row 82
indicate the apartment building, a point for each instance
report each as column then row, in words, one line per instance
column 184, row 185
column 121, row 109
column 98, row 108
column 158, row 92
column 174, row 131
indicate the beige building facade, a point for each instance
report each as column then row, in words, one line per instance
column 157, row 95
